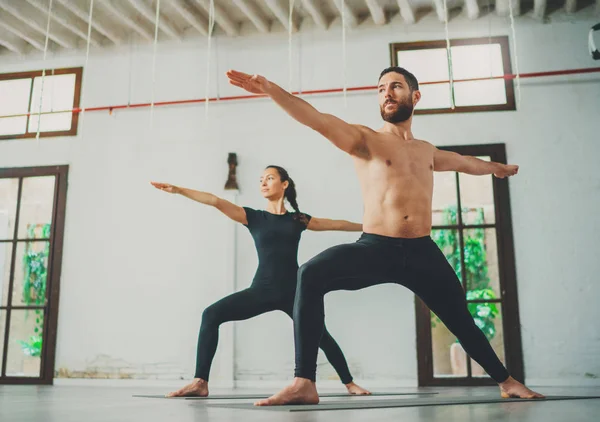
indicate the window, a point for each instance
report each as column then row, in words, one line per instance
column 32, row 217
column 477, row 242
column 20, row 94
column 484, row 59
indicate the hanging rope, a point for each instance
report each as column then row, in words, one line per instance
column 299, row 47
column 290, row 56
column 130, row 90
column 211, row 24
column 489, row 12
column 37, row 135
column 343, row 2
column 514, row 38
column 449, row 53
column 87, row 55
column 156, row 21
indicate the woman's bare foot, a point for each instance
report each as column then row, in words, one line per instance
column 357, row 390
column 511, row 388
column 197, row 388
column 302, row 391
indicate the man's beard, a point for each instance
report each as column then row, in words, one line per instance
column 404, row 110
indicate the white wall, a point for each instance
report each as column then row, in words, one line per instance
column 140, row 266
column 3, row 247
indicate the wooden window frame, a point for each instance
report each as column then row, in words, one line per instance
column 508, row 285
column 77, row 71
column 48, row 355
column 506, row 63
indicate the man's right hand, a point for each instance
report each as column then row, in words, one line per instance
column 255, row 84
column 166, row 187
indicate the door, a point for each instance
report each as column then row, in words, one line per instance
column 32, row 217
column 478, row 243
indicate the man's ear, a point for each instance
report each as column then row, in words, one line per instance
column 416, row 97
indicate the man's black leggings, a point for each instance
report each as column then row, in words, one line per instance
column 417, row 264
column 249, row 303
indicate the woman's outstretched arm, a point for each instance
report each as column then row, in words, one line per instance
column 324, row 224
column 233, row 211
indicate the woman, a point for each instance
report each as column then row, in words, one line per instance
column 276, row 233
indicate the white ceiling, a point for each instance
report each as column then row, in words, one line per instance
column 23, row 23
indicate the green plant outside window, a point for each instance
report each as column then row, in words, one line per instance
column 35, row 276
column 476, row 268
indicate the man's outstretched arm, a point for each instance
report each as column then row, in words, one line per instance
column 451, row 161
column 347, row 137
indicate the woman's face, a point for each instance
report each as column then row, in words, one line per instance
column 271, row 185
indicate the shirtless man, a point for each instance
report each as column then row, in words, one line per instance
column 395, row 171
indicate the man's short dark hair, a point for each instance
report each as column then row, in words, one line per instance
column 412, row 82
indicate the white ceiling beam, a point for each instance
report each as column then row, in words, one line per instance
column 503, row 7
column 4, row 23
column 281, row 10
column 251, row 11
column 36, row 24
column 150, row 14
column 571, row 6
column 406, row 11
column 229, row 26
column 539, row 9
column 122, row 15
column 71, row 26
column 516, row 4
column 312, row 7
column 96, row 23
column 377, row 12
column 442, row 13
column 12, row 43
column 194, row 19
column 349, row 14
column 472, row 8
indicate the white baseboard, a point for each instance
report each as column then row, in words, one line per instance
column 329, row 384
column 276, row 384
column 563, row 382
column 142, row 383
column 246, row 384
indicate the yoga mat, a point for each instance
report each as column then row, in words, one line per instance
column 265, row 395
column 382, row 404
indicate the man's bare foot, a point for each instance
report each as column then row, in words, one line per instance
column 511, row 388
column 357, row 390
column 197, row 388
column 301, row 391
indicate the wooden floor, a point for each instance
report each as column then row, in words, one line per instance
column 90, row 404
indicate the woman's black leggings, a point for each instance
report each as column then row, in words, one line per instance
column 417, row 264
column 249, row 303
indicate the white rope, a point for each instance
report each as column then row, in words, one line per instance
column 489, row 12
column 211, row 24
column 37, row 135
column 299, row 46
column 154, row 62
column 514, row 39
column 290, row 56
column 449, row 51
column 87, row 55
column 343, row 2
column 130, row 90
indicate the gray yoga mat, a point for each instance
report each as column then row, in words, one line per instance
column 265, row 395
column 381, row 404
